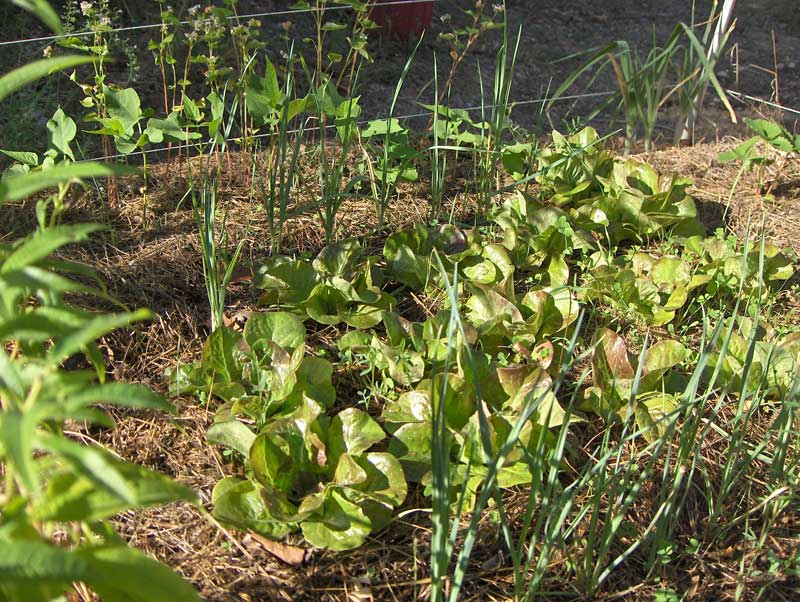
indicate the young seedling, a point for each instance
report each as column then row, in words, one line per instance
column 770, row 134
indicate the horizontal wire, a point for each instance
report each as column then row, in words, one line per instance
column 425, row 114
column 277, row 13
column 764, row 101
column 360, row 122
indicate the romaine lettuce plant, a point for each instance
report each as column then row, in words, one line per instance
column 661, row 288
column 260, row 372
column 613, row 199
column 408, row 419
column 572, row 166
column 304, row 470
column 647, row 390
column 310, row 472
column 338, row 286
column 756, row 360
column 409, row 255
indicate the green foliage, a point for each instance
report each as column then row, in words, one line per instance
column 712, row 272
column 746, row 153
column 572, row 166
column 396, row 158
column 408, row 419
column 617, row 200
column 648, row 392
column 273, row 105
column 768, row 134
column 463, row 342
column 49, row 478
column 775, row 135
column 467, row 400
column 458, row 128
column 124, row 120
column 22, row 76
column 257, row 371
column 51, row 482
column 305, row 470
column 756, row 361
column 642, row 82
column 269, row 103
column 339, row 286
column 56, row 168
column 316, row 474
column 462, row 36
column 343, row 113
column 43, row 11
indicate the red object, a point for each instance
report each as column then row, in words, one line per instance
column 404, row 20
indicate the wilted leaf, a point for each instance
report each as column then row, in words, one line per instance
column 291, row 555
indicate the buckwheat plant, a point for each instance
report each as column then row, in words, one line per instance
column 163, row 51
column 214, row 30
column 247, row 44
column 95, row 16
column 461, row 39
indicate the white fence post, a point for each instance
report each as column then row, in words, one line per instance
column 714, row 49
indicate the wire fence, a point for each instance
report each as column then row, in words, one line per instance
column 520, row 103
column 343, row 7
column 177, row 146
column 742, row 97
column 277, row 13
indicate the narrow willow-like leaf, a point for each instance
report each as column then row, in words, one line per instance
column 36, row 561
column 96, row 465
column 97, row 327
column 16, row 188
column 121, row 394
column 43, row 10
column 18, row 78
column 127, row 575
column 71, row 497
column 708, row 70
column 16, row 433
column 43, row 242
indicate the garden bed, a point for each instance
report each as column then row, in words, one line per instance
column 410, row 356
column 160, row 268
